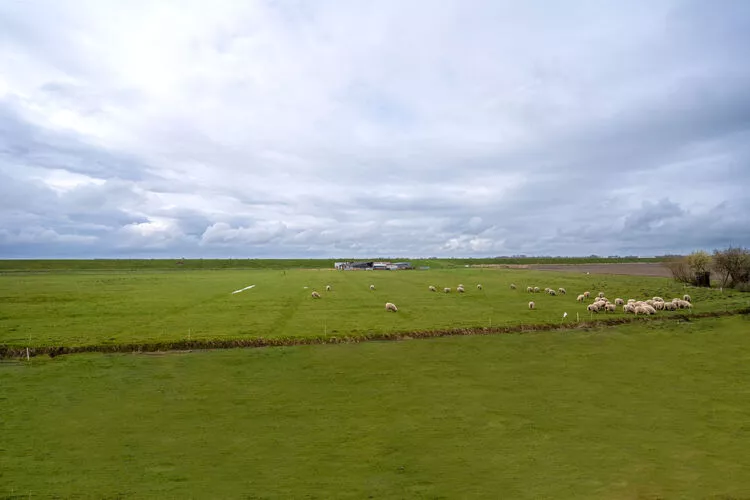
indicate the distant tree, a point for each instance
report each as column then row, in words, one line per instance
column 733, row 266
column 694, row 269
column 680, row 269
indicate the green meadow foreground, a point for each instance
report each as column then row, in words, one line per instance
column 116, row 307
column 647, row 410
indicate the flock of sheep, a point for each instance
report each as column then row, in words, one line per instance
column 632, row 306
column 601, row 303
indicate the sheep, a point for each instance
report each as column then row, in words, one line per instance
column 512, row 286
column 433, row 289
column 328, row 288
column 552, row 292
column 580, row 298
column 562, row 291
column 628, row 308
column 649, row 309
column 372, row 287
column 601, row 294
column 630, row 301
column 536, row 289
column 593, row 308
column 640, row 310
column 610, row 307
column 605, row 299
column 687, row 298
column 460, row 285
column 446, row 290
column 460, row 289
column 479, row 286
column 315, row 295
column 529, row 289
column 684, row 304
column 669, row 306
column 586, row 295
column 390, row 306
column 657, row 299
column 650, row 302
column 532, row 305
column 619, row 301
column 546, row 290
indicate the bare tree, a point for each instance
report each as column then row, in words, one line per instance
column 733, row 265
column 680, row 269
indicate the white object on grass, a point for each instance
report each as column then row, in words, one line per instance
column 243, row 289
column 565, row 315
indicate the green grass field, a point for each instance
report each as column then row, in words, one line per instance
column 106, row 307
column 654, row 410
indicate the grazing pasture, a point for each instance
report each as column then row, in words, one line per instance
column 113, row 307
column 646, row 410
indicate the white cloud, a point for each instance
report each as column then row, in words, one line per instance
column 374, row 128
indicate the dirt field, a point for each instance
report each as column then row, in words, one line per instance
column 631, row 269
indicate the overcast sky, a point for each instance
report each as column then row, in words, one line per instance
column 324, row 128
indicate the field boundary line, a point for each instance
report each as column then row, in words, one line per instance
column 7, row 352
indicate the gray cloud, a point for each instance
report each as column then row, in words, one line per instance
column 356, row 129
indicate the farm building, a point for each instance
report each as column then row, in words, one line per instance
column 353, row 266
column 378, row 266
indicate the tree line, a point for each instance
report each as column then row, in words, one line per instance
column 731, row 267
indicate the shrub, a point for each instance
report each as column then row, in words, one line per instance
column 733, row 266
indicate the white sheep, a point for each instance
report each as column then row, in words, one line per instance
column 446, row 290
column 580, row 298
column 601, row 294
column 546, row 290
column 433, row 289
column 657, row 299
column 328, row 288
column 315, row 295
column 460, row 289
column 536, row 289
column 461, row 285
column 640, row 310
column 512, row 286
column 619, row 301
column 479, row 286
column 562, row 290
column 551, row 292
column 593, row 308
column 390, row 306
column 586, row 294
column 529, row 289
column 610, row 307
column 684, row 304
column 532, row 305
column 687, row 298
column 670, row 306
column 372, row 287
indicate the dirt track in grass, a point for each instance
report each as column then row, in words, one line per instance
column 629, row 269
